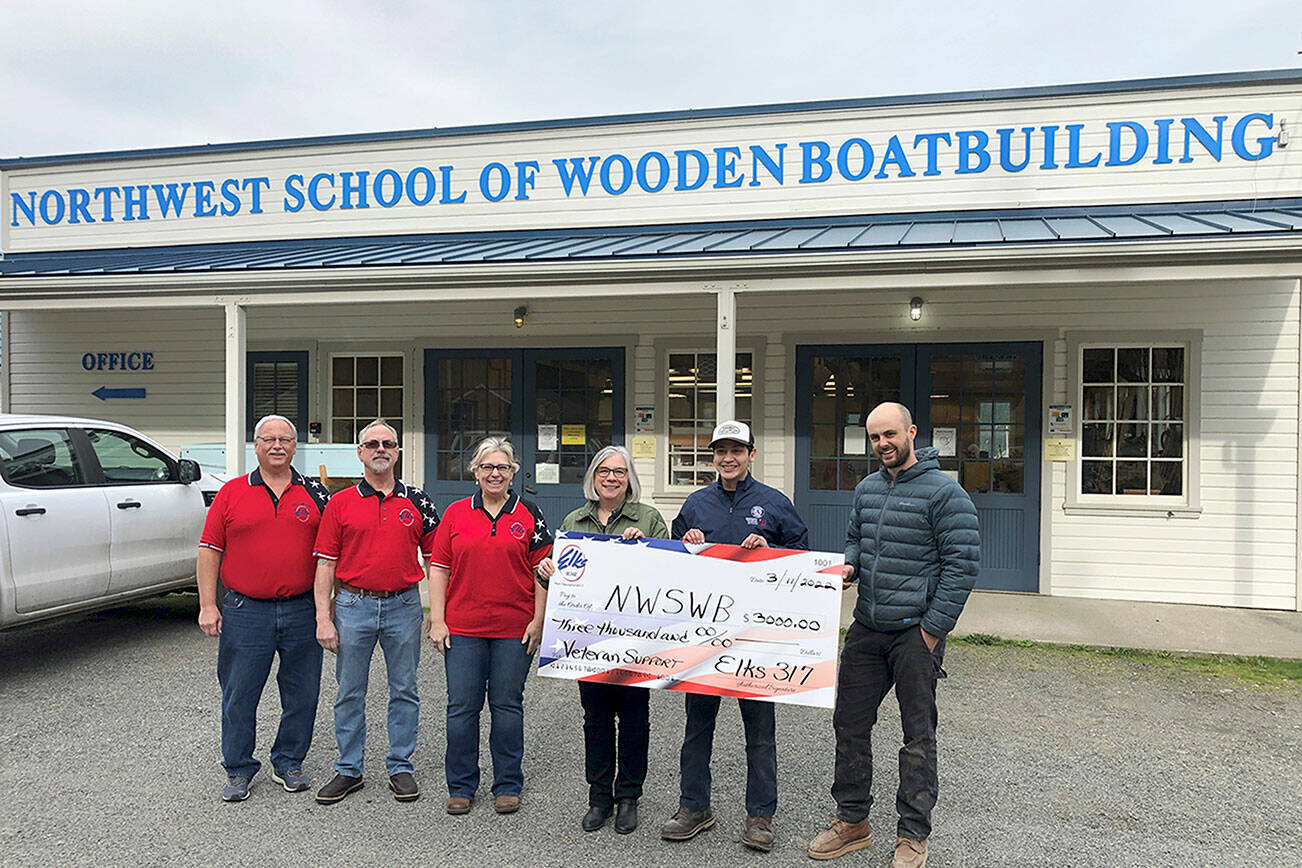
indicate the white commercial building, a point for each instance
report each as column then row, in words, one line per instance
column 1089, row 295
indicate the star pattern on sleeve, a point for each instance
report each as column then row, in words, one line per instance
column 429, row 514
column 318, row 492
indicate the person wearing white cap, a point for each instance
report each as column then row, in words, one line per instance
column 738, row 510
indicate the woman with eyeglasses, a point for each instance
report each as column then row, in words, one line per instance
column 615, row 760
column 488, row 590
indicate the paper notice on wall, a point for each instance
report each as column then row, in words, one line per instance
column 856, row 440
column 644, row 446
column 574, row 435
column 946, row 441
column 547, row 474
column 546, row 438
column 1059, row 449
column 1059, row 420
column 644, row 420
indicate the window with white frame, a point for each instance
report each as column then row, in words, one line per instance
column 692, row 402
column 1135, row 420
column 364, row 388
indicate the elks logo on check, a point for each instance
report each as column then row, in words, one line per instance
column 407, row 516
column 302, row 513
column 571, row 564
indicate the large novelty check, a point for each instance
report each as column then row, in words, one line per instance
column 716, row 619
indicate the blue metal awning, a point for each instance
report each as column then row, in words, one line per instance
column 871, row 235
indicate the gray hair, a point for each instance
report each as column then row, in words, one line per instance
column 361, row 435
column 495, row 444
column 272, row 417
column 589, row 484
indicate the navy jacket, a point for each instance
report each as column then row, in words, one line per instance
column 754, row 508
column 915, row 544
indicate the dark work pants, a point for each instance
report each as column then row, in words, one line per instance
column 870, row 663
column 608, row 780
column 761, row 754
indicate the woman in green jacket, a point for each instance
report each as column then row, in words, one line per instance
column 612, row 492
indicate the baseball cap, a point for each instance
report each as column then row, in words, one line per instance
column 731, row 430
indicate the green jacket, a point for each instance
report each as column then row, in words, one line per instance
column 642, row 516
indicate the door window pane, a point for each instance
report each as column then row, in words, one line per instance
column 575, row 395
column 987, row 403
column 39, row 458
column 128, row 460
column 844, row 389
column 473, row 402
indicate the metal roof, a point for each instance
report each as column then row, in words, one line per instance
column 868, row 234
column 1256, row 77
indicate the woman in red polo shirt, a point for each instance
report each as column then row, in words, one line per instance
column 487, row 594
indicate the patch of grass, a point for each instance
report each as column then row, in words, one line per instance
column 1258, row 670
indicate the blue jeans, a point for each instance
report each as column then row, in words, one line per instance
column 761, row 754
column 395, row 623
column 253, row 632
column 498, row 667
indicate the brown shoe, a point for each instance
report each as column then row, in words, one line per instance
column 686, row 824
column 458, row 805
column 757, row 834
column 506, row 804
column 909, row 853
column 840, row 838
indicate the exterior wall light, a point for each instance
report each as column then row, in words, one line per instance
column 520, row 313
column 915, row 308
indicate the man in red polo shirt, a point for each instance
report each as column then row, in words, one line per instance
column 367, row 591
column 259, row 536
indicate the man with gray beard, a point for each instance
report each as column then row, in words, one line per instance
column 367, row 591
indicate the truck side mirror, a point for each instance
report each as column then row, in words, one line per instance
column 189, row 471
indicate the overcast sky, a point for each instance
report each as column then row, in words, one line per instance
column 92, row 75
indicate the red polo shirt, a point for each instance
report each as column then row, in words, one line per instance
column 491, row 563
column 266, row 542
column 374, row 537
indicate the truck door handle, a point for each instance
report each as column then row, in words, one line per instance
column 529, row 489
column 130, row 504
column 30, row 510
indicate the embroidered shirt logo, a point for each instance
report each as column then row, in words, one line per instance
column 407, row 516
column 302, row 513
column 517, row 530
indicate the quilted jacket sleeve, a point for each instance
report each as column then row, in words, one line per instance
column 958, row 543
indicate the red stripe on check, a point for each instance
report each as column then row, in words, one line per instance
column 746, row 556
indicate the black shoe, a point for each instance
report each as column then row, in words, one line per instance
column 626, row 816
column 404, row 787
column 596, row 817
column 339, row 786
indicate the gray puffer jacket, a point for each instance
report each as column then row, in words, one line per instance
column 916, row 546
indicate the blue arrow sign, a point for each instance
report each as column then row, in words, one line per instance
column 104, row 393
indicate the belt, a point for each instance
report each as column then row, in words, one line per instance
column 369, row 593
column 275, row 599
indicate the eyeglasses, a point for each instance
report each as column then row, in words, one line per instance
column 617, row 472
column 283, row 441
column 376, row 444
column 500, row 468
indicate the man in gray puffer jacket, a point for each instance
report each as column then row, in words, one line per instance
column 914, row 545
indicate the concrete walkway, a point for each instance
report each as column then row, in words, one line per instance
column 1126, row 624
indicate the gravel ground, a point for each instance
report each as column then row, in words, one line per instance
column 109, row 756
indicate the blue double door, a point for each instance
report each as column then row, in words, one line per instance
column 979, row 404
column 558, row 407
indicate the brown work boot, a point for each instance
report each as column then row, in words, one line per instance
column 840, row 838
column 686, row 824
column 757, row 834
column 909, row 853
column 506, row 804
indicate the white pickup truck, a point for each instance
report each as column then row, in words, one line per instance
column 91, row 514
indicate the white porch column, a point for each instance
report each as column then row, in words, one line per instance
column 726, row 357
column 235, row 388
